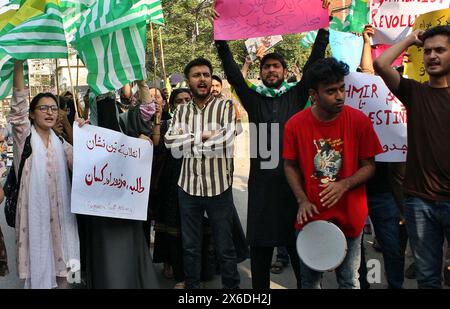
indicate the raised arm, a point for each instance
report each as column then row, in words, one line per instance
column 318, row 52
column 383, row 64
column 18, row 117
column 246, row 67
column 366, row 63
column 231, row 69
column 318, row 49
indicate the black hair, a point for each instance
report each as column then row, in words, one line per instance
column 273, row 56
column 174, row 94
column 38, row 97
column 438, row 30
column 195, row 63
column 326, row 71
column 217, row 78
column 62, row 104
column 34, row 102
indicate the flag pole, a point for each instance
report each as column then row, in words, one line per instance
column 153, row 51
column 162, row 55
column 29, row 82
column 57, row 80
column 77, row 85
column 74, row 95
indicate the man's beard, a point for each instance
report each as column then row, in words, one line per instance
column 196, row 94
column 275, row 85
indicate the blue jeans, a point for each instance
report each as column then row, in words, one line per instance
column 427, row 222
column 283, row 255
column 346, row 274
column 220, row 213
column 385, row 217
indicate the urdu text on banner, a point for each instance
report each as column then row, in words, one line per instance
column 370, row 95
column 111, row 175
column 253, row 18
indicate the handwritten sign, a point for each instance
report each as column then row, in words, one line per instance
column 370, row 95
column 347, row 47
column 111, row 175
column 394, row 20
column 416, row 68
column 242, row 19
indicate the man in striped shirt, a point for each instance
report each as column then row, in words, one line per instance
column 202, row 132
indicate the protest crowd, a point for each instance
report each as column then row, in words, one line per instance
column 105, row 185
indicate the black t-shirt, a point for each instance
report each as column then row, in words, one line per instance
column 379, row 183
column 428, row 164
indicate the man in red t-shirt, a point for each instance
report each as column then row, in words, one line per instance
column 329, row 152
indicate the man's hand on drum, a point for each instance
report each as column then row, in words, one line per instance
column 306, row 210
column 332, row 193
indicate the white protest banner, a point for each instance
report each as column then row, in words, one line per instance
column 111, row 174
column 370, row 95
column 394, row 19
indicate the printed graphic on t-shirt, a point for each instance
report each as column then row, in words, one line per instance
column 328, row 160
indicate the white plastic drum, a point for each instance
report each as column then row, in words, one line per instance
column 321, row 245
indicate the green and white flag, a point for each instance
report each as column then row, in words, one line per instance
column 111, row 41
column 72, row 14
column 6, row 61
column 35, row 31
column 308, row 39
column 156, row 12
column 6, row 76
column 358, row 16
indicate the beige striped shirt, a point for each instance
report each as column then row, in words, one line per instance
column 207, row 168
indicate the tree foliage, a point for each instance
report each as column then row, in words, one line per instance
column 188, row 34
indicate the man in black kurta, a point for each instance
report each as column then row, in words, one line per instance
column 272, row 207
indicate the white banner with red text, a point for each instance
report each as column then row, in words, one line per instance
column 370, row 95
column 111, row 174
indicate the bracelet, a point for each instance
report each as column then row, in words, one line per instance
column 156, row 134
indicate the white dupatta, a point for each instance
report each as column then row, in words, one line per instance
column 42, row 273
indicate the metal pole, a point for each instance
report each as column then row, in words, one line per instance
column 162, row 54
column 153, row 50
column 74, row 95
column 57, row 81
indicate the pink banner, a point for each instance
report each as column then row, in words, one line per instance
column 242, row 19
column 377, row 50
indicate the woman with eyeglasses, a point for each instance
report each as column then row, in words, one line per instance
column 46, row 230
